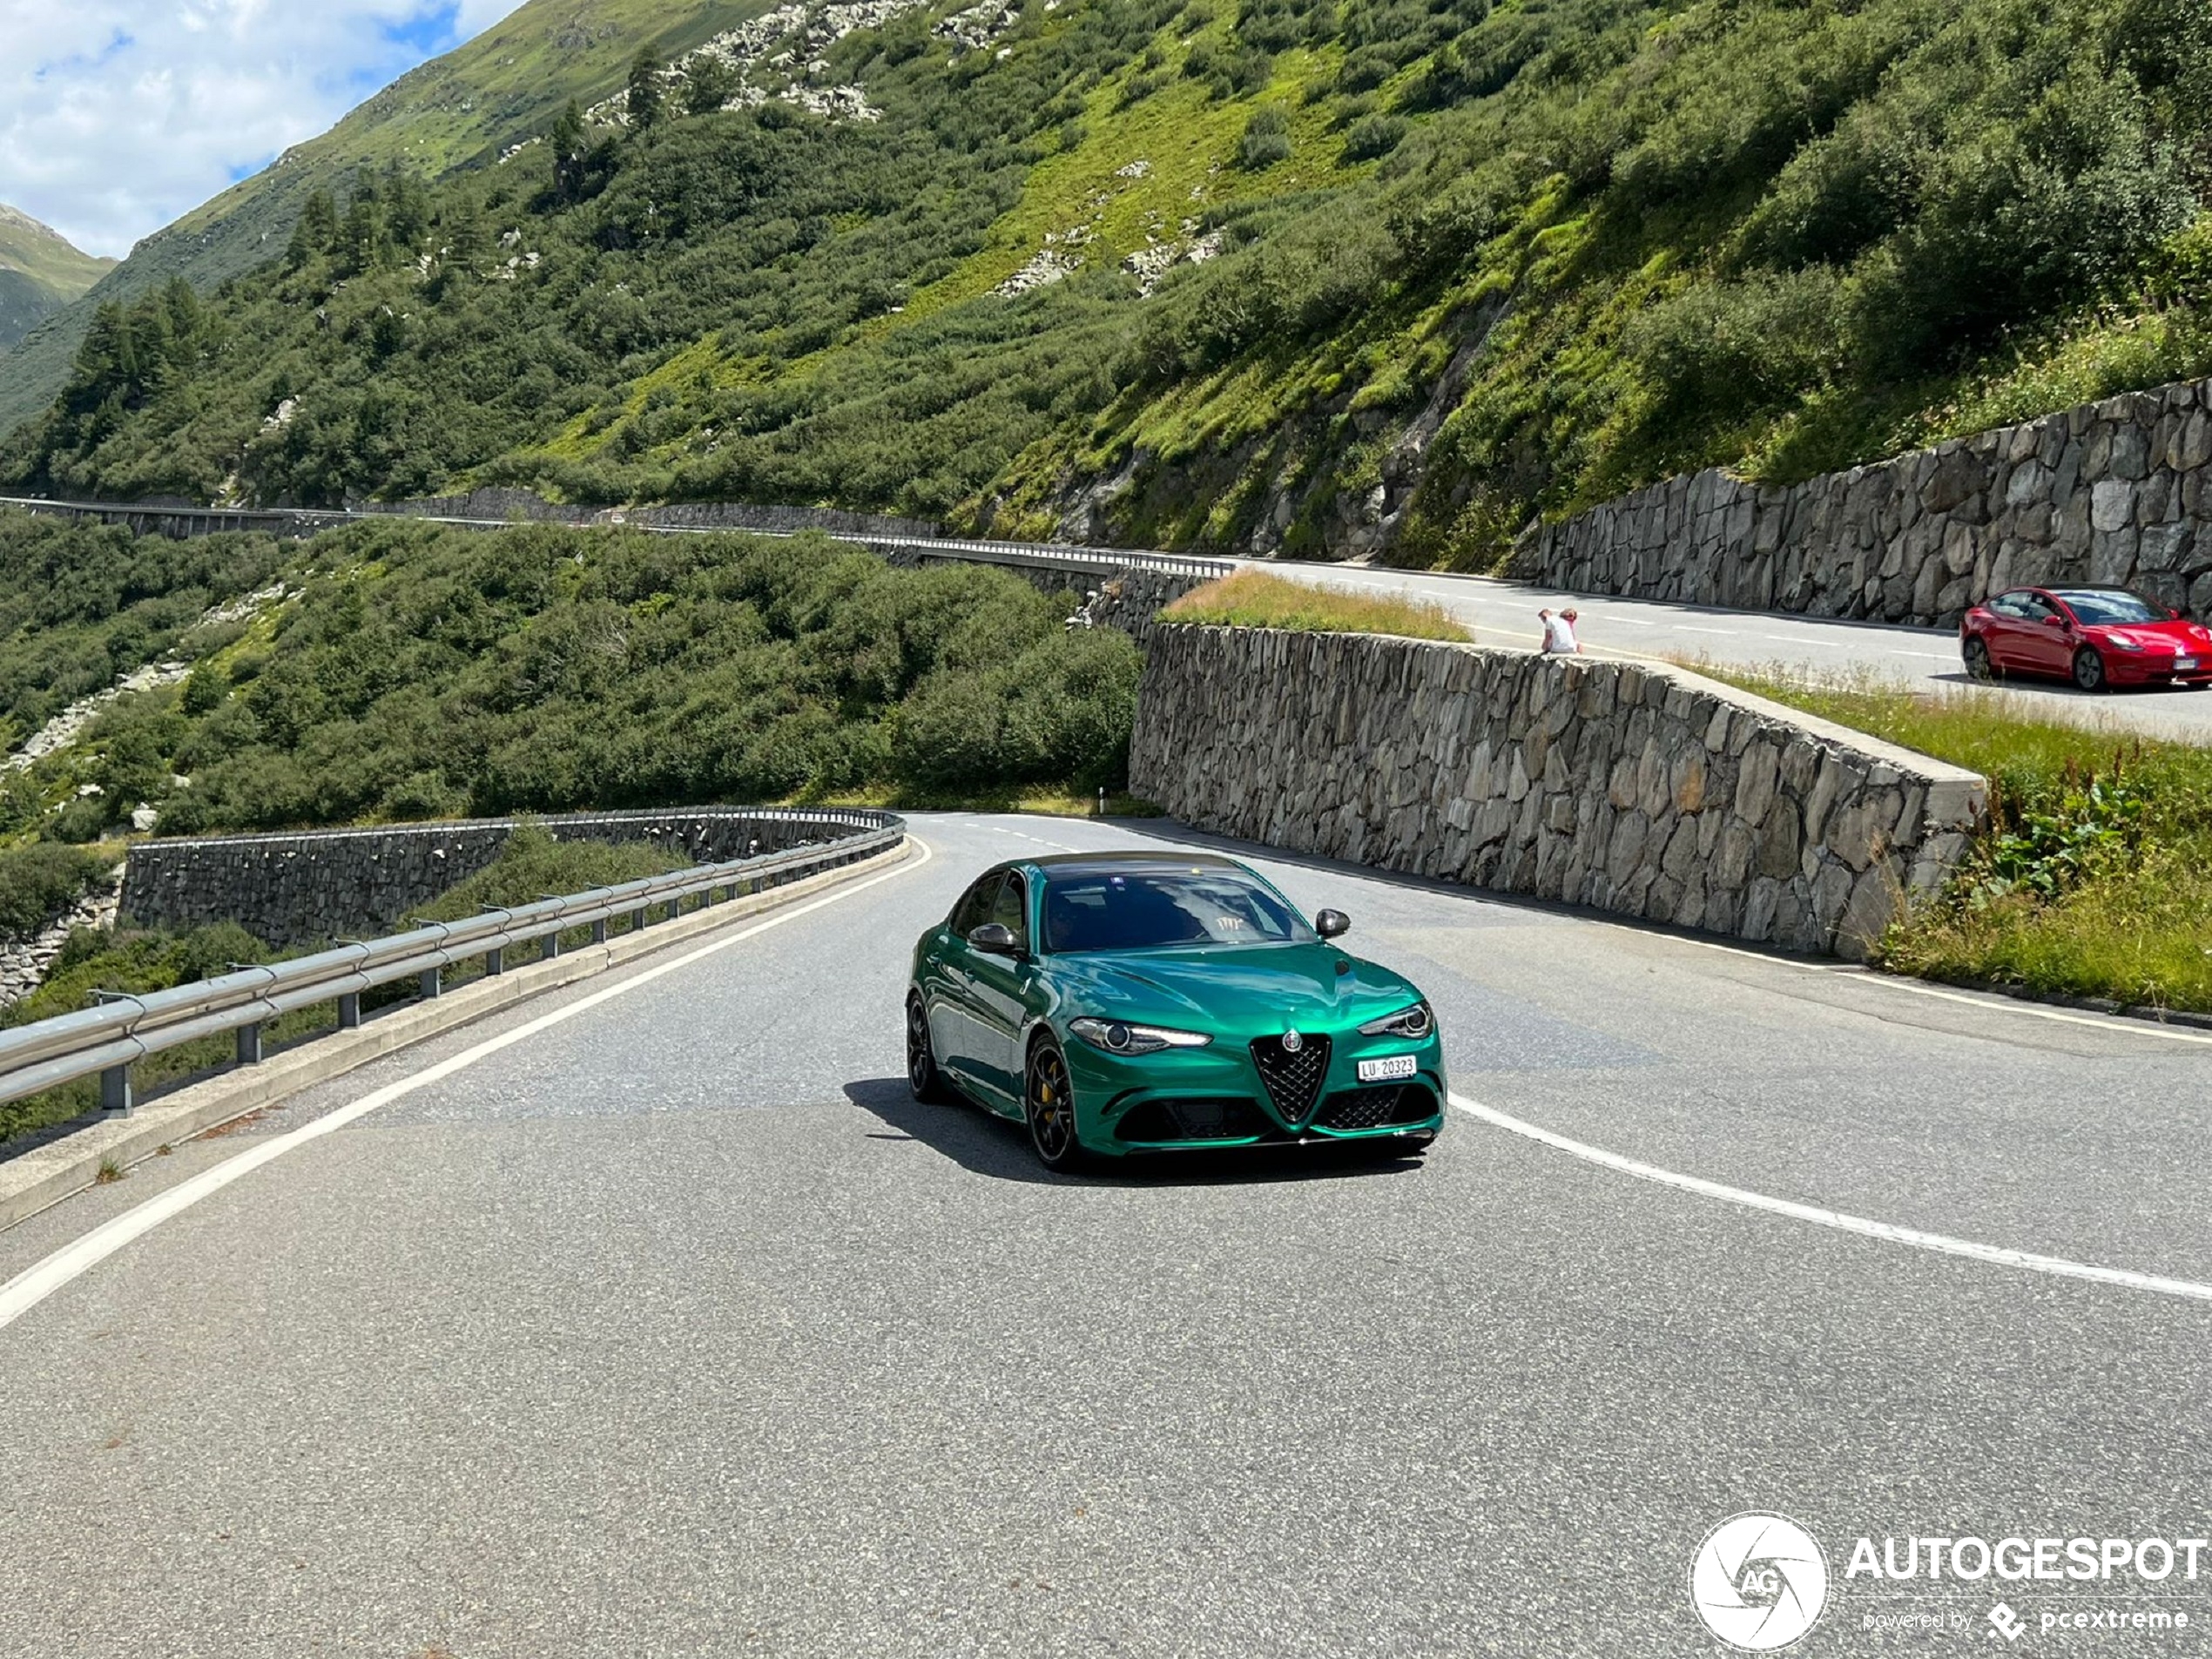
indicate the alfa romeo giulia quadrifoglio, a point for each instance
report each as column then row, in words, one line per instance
column 1120, row 1003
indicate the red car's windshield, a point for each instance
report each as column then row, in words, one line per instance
column 2099, row 607
column 1153, row 909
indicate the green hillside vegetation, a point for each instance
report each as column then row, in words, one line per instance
column 414, row 672
column 40, row 273
column 460, row 110
column 1606, row 239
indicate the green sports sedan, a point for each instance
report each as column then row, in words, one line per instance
column 1123, row 1002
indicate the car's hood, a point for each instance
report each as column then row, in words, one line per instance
column 2179, row 636
column 1249, row 990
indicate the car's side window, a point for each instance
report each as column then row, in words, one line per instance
column 2035, row 607
column 2010, row 606
column 974, row 907
column 1012, row 909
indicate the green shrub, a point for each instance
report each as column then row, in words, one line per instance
column 1266, row 140
column 1373, row 135
column 39, row 881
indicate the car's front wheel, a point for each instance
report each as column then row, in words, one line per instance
column 1979, row 667
column 1048, row 1103
column 922, row 1075
column 2089, row 669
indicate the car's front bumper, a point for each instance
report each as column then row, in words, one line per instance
column 2154, row 668
column 1189, row 1099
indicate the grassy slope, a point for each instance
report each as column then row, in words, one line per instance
column 2095, row 878
column 460, row 110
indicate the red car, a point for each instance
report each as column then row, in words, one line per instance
column 2094, row 636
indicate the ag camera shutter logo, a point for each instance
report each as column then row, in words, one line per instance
column 1759, row 1582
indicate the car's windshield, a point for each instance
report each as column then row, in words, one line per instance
column 2097, row 607
column 1153, row 909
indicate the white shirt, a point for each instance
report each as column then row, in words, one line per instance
column 1559, row 634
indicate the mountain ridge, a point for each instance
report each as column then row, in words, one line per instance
column 41, row 273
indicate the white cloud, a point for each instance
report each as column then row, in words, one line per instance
column 118, row 117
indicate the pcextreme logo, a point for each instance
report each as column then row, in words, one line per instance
column 1758, row 1581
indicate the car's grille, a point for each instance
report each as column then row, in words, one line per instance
column 1227, row 1118
column 1357, row 1109
column 1293, row 1080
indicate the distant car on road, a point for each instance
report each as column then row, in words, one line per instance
column 1120, row 1003
column 2094, row 636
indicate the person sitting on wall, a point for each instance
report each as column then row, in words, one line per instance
column 1558, row 632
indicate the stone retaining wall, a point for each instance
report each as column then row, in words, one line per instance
column 2113, row 494
column 1634, row 789
column 323, row 884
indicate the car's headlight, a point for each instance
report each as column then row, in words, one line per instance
column 1415, row 1022
column 1117, row 1036
column 2123, row 642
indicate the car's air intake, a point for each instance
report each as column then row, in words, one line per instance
column 1293, row 1080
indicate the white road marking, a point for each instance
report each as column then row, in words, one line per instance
column 1939, row 1244
column 33, row 1285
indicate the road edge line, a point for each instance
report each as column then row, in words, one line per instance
column 1837, row 1220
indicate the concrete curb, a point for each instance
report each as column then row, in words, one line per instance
column 45, row 1175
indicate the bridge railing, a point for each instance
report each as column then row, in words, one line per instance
column 105, row 1041
column 1097, row 561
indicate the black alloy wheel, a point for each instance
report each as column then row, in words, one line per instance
column 922, row 1075
column 1048, row 1101
column 2089, row 669
column 1979, row 667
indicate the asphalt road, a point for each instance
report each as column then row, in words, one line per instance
column 1811, row 647
column 676, row 1328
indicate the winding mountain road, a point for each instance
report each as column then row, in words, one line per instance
column 1925, row 659
column 676, row 1328
column 1498, row 613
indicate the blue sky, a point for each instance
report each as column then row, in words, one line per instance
column 116, row 117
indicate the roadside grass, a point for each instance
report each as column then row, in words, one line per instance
column 1256, row 599
column 2093, row 875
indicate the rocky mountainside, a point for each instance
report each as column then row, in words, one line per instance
column 40, row 273
column 1288, row 276
column 459, row 110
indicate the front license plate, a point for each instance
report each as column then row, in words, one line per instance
column 2185, row 662
column 1393, row 1069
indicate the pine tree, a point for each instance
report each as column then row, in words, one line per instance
column 646, row 92
column 568, row 153
column 316, row 230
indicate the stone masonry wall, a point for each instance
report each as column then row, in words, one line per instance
column 2113, row 494
column 324, row 885
column 1634, row 789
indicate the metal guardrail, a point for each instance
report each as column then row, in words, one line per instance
column 105, row 1041
column 1094, row 560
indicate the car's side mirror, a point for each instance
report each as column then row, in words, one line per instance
column 1332, row 924
column 996, row 939
column 2054, row 622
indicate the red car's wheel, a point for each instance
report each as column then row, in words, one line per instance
column 1979, row 667
column 2089, row 669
